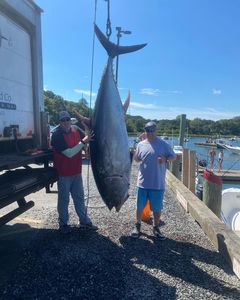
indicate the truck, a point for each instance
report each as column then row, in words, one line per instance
column 25, row 152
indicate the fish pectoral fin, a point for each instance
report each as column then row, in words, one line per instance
column 84, row 120
column 127, row 102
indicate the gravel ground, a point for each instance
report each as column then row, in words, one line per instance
column 109, row 264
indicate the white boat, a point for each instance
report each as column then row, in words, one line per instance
column 221, row 143
column 230, row 210
column 178, row 149
column 164, row 137
column 234, row 149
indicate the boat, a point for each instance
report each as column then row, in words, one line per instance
column 178, row 149
column 186, row 138
column 207, row 144
column 230, row 210
column 221, row 144
column 199, row 186
column 164, row 137
column 234, row 149
column 218, row 143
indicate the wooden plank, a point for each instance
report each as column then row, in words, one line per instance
column 226, row 175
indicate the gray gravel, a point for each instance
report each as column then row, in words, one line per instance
column 109, row 264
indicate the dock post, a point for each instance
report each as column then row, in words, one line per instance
column 182, row 129
column 185, row 166
column 175, row 167
column 192, row 170
column 212, row 192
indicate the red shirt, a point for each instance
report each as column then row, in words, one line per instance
column 61, row 141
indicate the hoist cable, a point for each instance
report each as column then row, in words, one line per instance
column 90, row 100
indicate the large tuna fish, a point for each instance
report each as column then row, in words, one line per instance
column 109, row 150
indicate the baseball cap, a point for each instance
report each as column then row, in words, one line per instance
column 63, row 114
column 151, row 125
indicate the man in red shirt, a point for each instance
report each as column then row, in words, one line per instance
column 68, row 141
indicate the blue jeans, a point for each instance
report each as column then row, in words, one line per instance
column 71, row 185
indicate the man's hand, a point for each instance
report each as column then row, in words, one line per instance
column 88, row 137
column 162, row 159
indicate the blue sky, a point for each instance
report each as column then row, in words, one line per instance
column 191, row 64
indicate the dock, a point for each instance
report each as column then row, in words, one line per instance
column 226, row 175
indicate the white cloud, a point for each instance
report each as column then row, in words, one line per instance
column 45, row 88
column 150, row 91
column 216, row 92
column 143, row 105
column 157, row 92
column 84, row 92
column 172, row 92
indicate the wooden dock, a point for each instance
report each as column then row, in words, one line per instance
column 226, row 175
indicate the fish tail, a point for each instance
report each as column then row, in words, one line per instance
column 114, row 49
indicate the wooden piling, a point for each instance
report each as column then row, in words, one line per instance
column 192, row 170
column 212, row 192
column 175, row 167
column 185, row 167
column 182, row 129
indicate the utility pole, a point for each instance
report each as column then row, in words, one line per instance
column 120, row 31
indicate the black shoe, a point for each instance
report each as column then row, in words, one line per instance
column 161, row 223
column 157, row 233
column 136, row 231
column 64, row 228
column 88, row 226
column 149, row 221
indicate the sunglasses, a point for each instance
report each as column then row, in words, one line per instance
column 150, row 130
column 65, row 120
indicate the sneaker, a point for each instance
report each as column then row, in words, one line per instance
column 88, row 226
column 157, row 233
column 136, row 230
column 161, row 223
column 148, row 221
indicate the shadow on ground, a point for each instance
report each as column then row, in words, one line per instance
column 48, row 264
column 77, row 265
column 179, row 259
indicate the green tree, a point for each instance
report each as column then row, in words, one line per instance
column 135, row 124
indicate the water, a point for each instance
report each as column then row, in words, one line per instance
column 230, row 161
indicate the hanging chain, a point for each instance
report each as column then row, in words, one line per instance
column 108, row 25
